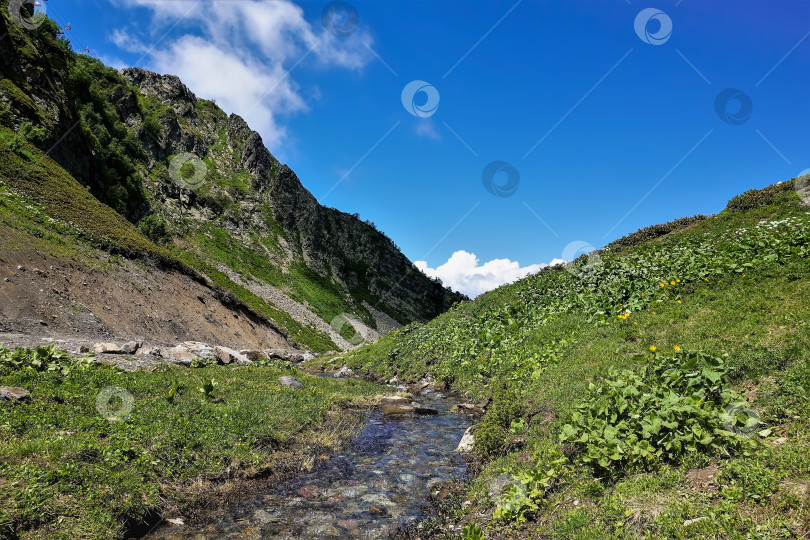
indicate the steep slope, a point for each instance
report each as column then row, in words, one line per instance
column 658, row 387
column 201, row 185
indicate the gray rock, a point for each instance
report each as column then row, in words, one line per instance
column 394, row 400
column 186, row 352
column 226, row 355
column 467, row 442
column 13, row 393
column 253, row 355
column 344, row 373
column 394, row 409
column 290, row 382
column 107, row 348
column 131, row 347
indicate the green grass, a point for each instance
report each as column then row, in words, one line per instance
column 67, row 471
column 723, row 285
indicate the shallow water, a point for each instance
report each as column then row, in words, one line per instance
column 378, row 483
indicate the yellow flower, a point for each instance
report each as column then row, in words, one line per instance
column 677, row 347
column 679, row 301
column 652, row 348
column 663, row 284
column 706, row 279
column 672, row 282
column 678, row 280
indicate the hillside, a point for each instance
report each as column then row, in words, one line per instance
column 658, row 387
column 133, row 164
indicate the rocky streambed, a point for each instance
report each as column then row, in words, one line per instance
column 379, row 483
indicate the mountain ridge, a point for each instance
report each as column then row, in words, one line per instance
column 201, row 185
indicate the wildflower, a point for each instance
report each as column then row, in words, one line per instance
column 677, row 347
column 706, row 280
column 663, row 284
column 679, row 301
column 652, row 348
column 672, row 282
column 678, row 280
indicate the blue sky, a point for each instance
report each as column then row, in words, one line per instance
column 606, row 125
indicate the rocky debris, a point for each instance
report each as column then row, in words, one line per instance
column 21, row 268
column 12, row 393
column 187, row 351
column 467, row 442
column 290, row 355
column 82, row 349
column 224, row 355
column 290, row 382
column 344, row 373
column 253, row 355
column 175, row 522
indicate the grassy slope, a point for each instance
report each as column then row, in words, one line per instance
column 720, row 285
column 66, row 471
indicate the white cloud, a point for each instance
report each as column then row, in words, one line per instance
column 463, row 273
column 425, row 128
column 242, row 54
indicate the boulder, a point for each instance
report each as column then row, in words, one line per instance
column 467, row 408
column 225, row 355
column 390, row 409
column 344, row 373
column 107, row 348
column 131, row 347
column 290, row 382
column 12, row 393
column 280, row 354
column 467, row 442
column 419, row 409
column 253, row 355
column 394, row 400
column 187, row 351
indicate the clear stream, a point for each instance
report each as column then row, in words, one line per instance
column 378, row 483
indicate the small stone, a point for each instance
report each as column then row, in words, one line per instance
column 310, row 492
column 348, row 524
column 82, row 349
column 290, row 382
column 6, row 280
column 13, row 393
column 693, row 521
column 175, row 522
column 21, row 268
column 780, row 441
column 393, row 382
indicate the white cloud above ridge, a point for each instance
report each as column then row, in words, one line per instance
column 243, row 54
column 463, row 273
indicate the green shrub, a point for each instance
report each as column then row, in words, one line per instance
column 654, row 231
column 673, row 405
column 155, row 229
column 755, row 198
column 6, row 118
column 506, row 407
column 34, row 134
